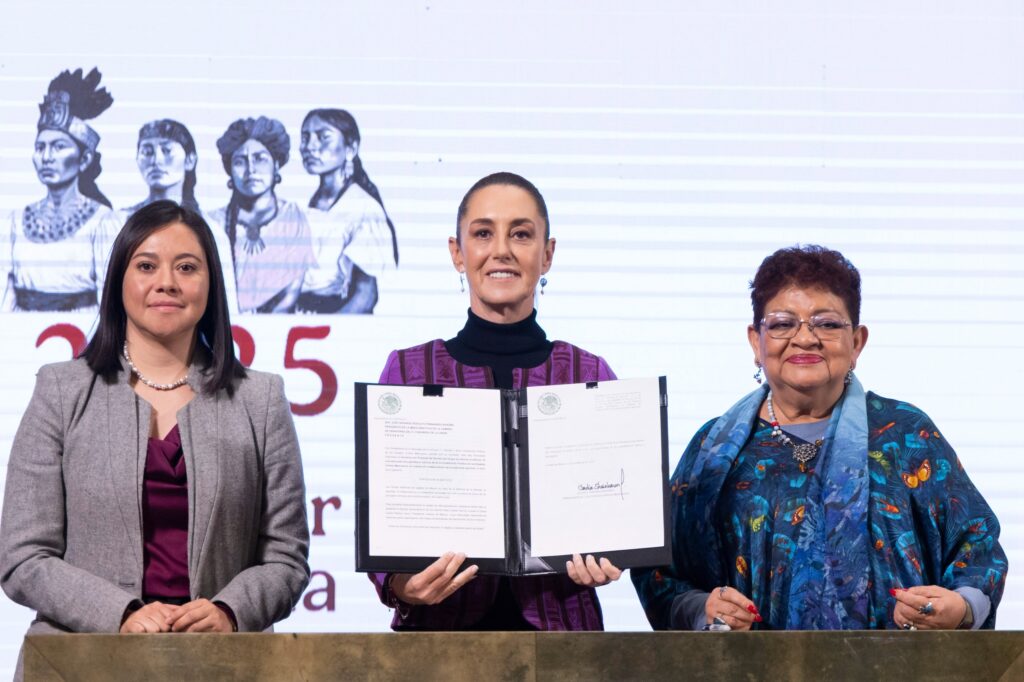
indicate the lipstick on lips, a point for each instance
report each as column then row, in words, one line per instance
column 805, row 359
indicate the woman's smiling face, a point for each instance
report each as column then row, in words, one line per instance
column 166, row 287
column 807, row 363
column 503, row 252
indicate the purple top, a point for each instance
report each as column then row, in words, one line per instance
column 547, row 602
column 165, row 519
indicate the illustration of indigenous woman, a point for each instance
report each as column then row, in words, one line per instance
column 166, row 156
column 53, row 256
column 268, row 238
column 353, row 237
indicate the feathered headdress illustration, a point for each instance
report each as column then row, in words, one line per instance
column 71, row 100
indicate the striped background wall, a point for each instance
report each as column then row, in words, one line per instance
column 675, row 148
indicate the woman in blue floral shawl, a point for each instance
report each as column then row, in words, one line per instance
column 812, row 504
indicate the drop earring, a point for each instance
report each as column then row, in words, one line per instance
column 462, row 283
column 849, row 376
column 757, row 374
column 543, row 283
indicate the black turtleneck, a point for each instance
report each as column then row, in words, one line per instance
column 502, row 347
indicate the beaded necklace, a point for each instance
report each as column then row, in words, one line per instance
column 152, row 384
column 802, row 452
column 45, row 223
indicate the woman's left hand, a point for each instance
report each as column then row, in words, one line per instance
column 946, row 612
column 591, row 573
column 201, row 615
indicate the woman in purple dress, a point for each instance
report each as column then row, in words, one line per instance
column 502, row 249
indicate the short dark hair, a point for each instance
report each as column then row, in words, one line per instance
column 103, row 352
column 810, row 266
column 504, row 178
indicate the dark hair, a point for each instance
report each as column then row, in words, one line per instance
column 340, row 119
column 103, row 352
column 172, row 130
column 809, row 266
column 504, row 178
column 346, row 125
column 87, row 178
column 269, row 132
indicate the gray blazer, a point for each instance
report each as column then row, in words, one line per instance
column 71, row 532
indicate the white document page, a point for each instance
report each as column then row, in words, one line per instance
column 595, row 467
column 435, row 472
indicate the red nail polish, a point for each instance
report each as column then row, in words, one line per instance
column 892, row 591
column 758, row 618
column 752, row 609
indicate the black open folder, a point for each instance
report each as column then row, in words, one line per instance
column 642, row 530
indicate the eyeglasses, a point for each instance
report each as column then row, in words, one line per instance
column 826, row 326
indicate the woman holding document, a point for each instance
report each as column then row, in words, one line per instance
column 502, row 249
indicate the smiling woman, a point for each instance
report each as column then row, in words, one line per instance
column 149, row 469
column 503, row 250
column 502, row 247
column 814, row 504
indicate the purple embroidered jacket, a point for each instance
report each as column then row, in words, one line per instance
column 548, row 602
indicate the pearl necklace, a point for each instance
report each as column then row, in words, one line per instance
column 151, row 384
column 803, row 452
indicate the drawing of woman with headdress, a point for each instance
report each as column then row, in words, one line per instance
column 166, row 156
column 54, row 255
column 353, row 237
column 268, row 237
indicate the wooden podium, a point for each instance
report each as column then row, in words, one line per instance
column 901, row 656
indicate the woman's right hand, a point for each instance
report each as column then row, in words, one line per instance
column 435, row 583
column 730, row 605
column 149, row 619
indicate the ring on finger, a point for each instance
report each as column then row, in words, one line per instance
column 927, row 610
column 721, row 592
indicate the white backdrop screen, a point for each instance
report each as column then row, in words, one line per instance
column 677, row 144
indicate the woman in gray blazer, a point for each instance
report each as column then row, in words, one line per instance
column 154, row 484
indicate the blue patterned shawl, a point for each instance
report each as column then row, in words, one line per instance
column 889, row 505
column 845, row 495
